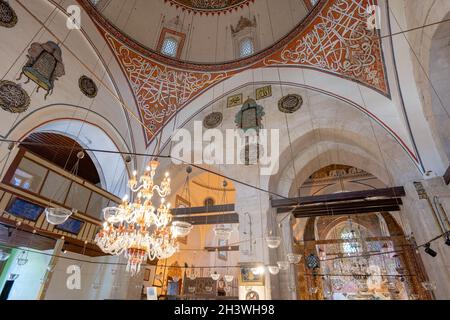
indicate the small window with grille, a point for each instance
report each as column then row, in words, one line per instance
column 246, row 47
column 170, row 47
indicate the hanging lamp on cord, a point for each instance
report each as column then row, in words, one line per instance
column 183, row 228
column 58, row 215
column 223, row 231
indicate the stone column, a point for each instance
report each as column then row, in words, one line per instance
column 253, row 208
column 424, row 226
column 287, row 281
column 51, row 265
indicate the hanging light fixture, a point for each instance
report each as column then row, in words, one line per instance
column 283, row 265
column 222, row 231
column 183, row 228
column 215, row 275
column 274, row 270
column 22, row 259
column 229, row 278
column 258, row 270
column 55, row 215
column 139, row 229
column 273, row 242
column 294, row 258
column 4, row 255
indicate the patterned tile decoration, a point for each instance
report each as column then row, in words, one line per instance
column 209, row 6
column 334, row 39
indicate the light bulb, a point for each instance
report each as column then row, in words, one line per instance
column 163, row 200
column 167, row 174
column 125, row 198
column 134, row 173
column 147, row 168
column 105, row 224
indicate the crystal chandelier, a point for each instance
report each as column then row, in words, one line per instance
column 139, row 229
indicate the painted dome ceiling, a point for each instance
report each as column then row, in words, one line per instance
column 209, row 31
column 210, row 5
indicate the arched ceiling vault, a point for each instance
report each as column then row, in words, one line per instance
column 333, row 39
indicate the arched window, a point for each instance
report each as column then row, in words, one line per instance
column 170, row 47
column 350, row 246
column 246, row 47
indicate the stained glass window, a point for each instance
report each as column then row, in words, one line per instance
column 170, row 47
column 246, row 47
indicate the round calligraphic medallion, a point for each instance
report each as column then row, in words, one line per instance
column 212, row 120
column 88, row 87
column 8, row 17
column 13, row 98
column 290, row 103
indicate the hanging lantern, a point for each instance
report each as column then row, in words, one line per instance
column 22, row 259
column 57, row 216
column 294, row 258
column 181, row 228
column 429, row 286
column 223, row 232
column 313, row 290
column 4, row 255
column 258, row 270
column 192, row 276
column 44, row 65
column 283, row 265
column 215, row 276
column 229, row 278
column 274, row 270
column 191, row 289
column 273, row 242
column 13, row 276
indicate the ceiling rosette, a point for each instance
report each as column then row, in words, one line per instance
column 210, row 6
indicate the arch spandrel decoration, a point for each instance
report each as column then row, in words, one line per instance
column 335, row 41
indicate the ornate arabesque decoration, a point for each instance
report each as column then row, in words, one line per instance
column 44, row 65
column 8, row 17
column 13, row 98
column 335, row 41
column 209, row 6
column 339, row 42
column 160, row 90
column 88, row 87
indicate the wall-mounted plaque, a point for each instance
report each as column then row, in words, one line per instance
column 264, row 92
column 235, row 100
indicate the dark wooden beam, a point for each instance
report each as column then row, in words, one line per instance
column 447, row 176
column 344, row 196
column 228, row 218
column 227, row 248
column 70, row 244
column 203, row 210
column 346, row 212
column 334, row 206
